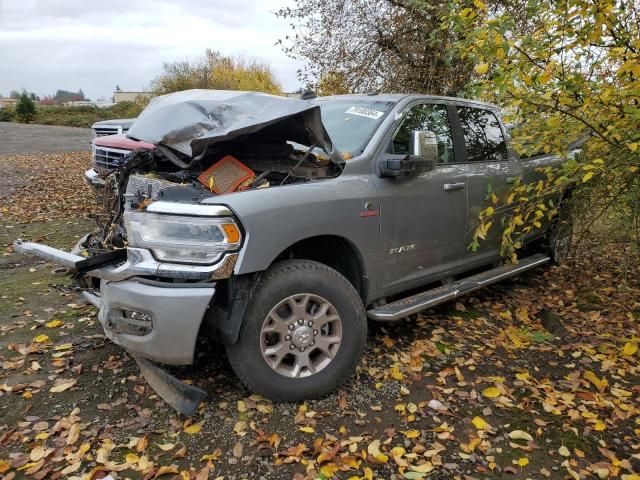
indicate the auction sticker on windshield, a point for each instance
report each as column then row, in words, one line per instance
column 365, row 112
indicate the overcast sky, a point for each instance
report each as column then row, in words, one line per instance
column 47, row 45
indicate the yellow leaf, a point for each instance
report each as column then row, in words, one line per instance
column 601, row 385
column 599, row 426
column 411, row 433
column 479, row 4
column 564, row 451
column 212, row 456
column 523, row 461
column 368, row 473
column 396, row 373
column 482, row 68
column 587, row 177
column 42, row 339
column 54, row 323
column 165, row 447
column 630, row 348
column 327, row 471
column 4, row 466
column 423, row 468
column 62, row 387
column 381, row 458
column 491, row 392
column 520, row 435
column 522, row 376
column 307, row 429
column 480, row 423
column 131, row 458
column 193, row 429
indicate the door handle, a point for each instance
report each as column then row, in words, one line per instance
column 448, row 187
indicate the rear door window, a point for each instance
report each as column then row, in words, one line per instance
column 482, row 135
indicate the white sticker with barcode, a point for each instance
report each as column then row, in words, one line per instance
column 365, row 112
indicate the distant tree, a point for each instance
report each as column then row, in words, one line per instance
column 376, row 45
column 25, row 108
column 333, row 83
column 62, row 96
column 217, row 71
column 118, row 89
column 14, row 94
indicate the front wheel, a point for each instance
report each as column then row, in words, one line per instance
column 303, row 334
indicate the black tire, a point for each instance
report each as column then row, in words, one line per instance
column 282, row 280
column 559, row 241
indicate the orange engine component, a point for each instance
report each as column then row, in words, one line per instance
column 227, row 175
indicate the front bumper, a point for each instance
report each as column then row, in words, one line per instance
column 166, row 321
column 153, row 319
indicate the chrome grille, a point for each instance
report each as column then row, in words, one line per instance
column 105, row 159
column 104, row 130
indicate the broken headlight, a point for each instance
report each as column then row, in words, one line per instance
column 181, row 238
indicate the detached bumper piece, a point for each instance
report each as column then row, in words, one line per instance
column 181, row 396
column 131, row 262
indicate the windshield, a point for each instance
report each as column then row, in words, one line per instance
column 351, row 123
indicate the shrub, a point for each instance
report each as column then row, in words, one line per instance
column 6, row 114
column 25, row 108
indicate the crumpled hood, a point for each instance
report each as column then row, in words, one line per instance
column 190, row 120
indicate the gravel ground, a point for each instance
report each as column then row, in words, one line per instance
column 16, row 138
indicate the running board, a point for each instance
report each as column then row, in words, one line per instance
column 416, row 303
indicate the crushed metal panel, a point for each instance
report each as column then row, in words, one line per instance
column 190, row 120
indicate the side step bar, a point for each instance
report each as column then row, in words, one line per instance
column 408, row 306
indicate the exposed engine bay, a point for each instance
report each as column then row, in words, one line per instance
column 243, row 164
column 203, row 143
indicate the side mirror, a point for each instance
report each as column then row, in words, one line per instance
column 424, row 143
column 403, row 165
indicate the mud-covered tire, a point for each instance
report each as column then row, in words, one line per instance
column 293, row 282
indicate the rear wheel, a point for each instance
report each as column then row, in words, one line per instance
column 303, row 334
column 559, row 241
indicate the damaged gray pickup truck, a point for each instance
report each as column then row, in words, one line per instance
column 276, row 226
